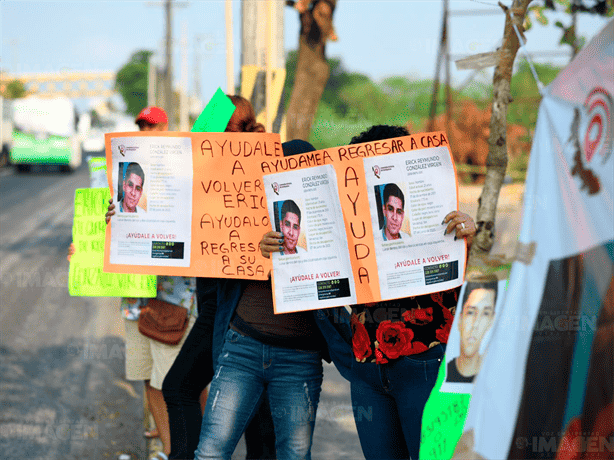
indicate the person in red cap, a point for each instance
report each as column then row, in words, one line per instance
column 152, row 119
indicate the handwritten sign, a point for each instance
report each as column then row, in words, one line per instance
column 216, row 115
column 85, row 277
column 389, row 242
column 229, row 214
column 443, row 420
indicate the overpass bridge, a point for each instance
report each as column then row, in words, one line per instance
column 80, row 84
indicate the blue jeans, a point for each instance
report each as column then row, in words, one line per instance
column 246, row 367
column 388, row 401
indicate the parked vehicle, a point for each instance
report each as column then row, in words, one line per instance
column 44, row 133
column 6, row 131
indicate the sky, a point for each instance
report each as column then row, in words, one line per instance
column 379, row 38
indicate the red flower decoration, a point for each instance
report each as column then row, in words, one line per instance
column 438, row 298
column 394, row 339
column 361, row 344
column 444, row 331
column 419, row 316
column 379, row 357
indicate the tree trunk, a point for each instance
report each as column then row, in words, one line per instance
column 496, row 162
column 311, row 70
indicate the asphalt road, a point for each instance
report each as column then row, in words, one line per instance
column 62, row 389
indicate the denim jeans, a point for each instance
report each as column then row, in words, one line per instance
column 190, row 374
column 388, row 401
column 246, row 367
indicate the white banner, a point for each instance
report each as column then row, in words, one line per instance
column 546, row 386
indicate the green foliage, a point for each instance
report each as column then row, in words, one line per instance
column 15, row 89
column 131, row 82
column 352, row 102
column 602, row 8
column 523, row 88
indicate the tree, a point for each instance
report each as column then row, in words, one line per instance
column 568, row 32
column 14, row 89
column 312, row 69
column 131, row 81
column 496, row 161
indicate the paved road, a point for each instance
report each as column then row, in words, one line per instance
column 62, row 391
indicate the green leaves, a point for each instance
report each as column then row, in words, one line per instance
column 131, row 81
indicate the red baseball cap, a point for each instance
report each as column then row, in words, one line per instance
column 152, row 115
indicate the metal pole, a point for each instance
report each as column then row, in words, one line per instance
column 230, row 70
column 168, row 73
column 447, row 57
column 183, row 111
column 269, row 111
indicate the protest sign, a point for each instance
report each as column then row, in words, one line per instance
column 392, row 232
column 226, row 215
column 206, row 208
column 216, row 114
column 85, row 277
column 305, row 208
column 546, row 387
column 98, row 172
column 478, row 309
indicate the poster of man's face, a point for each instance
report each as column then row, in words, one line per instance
column 131, row 180
column 475, row 317
column 392, row 215
column 288, row 222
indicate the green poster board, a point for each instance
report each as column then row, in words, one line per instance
column 216, row 115
column 85, row 276
column 442, row 421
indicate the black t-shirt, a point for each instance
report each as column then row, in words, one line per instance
column 454, row 376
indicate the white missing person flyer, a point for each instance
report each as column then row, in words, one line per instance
column 409, row 194
column 152, row 191
column 314, row 269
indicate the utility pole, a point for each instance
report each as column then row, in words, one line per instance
column 230, row 57
column 168, row 64
column 184, row 122
column 167, row 102
column 258, row 18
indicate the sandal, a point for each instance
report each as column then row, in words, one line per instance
column 159, row 456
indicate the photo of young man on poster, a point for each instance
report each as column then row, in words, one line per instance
column 289, row 224
column 392, row 215
column 476, row 318
column 132, row 179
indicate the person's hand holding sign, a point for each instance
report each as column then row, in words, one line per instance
column 271, row 242
column 462, row 223
column 110, row 211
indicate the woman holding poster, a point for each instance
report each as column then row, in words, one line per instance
column 260, row 351
column 398, row 345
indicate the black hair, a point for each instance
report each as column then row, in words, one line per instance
column 393, row 190
column 379, row 133
column 473, row 285
column 290, row 206
column 135, row 168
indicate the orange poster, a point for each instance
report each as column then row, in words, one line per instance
column 202, row 206
column 195, row 206
column 366, row 227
